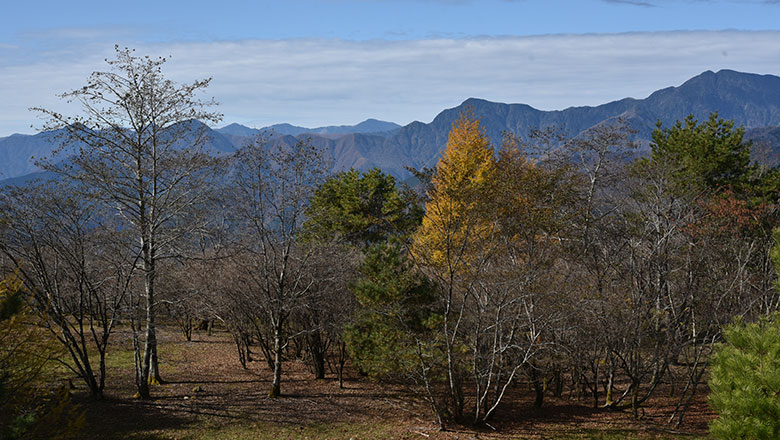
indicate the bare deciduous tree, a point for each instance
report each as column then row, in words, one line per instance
column 138, row 146
column 78, row 274
column 274, row 184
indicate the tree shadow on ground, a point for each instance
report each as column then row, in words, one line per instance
column 113, row 418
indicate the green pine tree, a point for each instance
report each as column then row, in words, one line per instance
column 397, row 309
column 361, row 208
column 745, row 382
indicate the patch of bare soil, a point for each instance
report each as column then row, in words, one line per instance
column 206, row 386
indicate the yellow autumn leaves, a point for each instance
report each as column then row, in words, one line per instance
column 481, row 203
column 452, row 224
column 469, row 193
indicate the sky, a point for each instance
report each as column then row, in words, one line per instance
column 333, row 62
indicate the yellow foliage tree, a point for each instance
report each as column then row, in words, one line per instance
column 450, row 244
column 455, row 223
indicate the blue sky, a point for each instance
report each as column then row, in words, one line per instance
column 341, row 61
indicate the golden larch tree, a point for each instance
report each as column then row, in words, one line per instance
column 454, row 223
column 451, row 243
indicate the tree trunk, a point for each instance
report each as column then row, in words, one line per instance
column 318, row 360
column 248, row 344
column 94, row 388
column 187, row 327
column 342, row 361
column 240, row 349
column 102, row 360
column 265, row 347
column 557, row 381
column 453, row 376
column 317, row 351
column 154, row 373
column 149, row 370
column 141, row 381
column 610, row 386
column 595, row 388
column 635, row 398
column 539, row 387
column 276, row 390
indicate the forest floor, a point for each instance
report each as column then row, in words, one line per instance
column 207, row 395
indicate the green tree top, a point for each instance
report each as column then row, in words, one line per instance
column 712, row 153
column 712, row 156
column 362, row 208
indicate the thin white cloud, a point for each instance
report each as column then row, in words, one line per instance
column 315, row 82
column 77, row 33
column 633, row 3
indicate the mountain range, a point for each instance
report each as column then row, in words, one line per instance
column 749, row 99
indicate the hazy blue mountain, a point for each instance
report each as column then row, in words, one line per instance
column 372, row 126
column 369, row 126
column 238, row 130
column 285, row 129
column 749, row 99
column 19, row 152
column 213, row 142
column 356, row 150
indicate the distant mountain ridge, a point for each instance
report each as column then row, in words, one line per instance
column 374, row 126
column 749, row 99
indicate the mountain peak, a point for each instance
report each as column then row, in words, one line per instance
column 238, row 130
column 476, row 101
column 234, row 126
column 731, row 76
column 374, row 126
